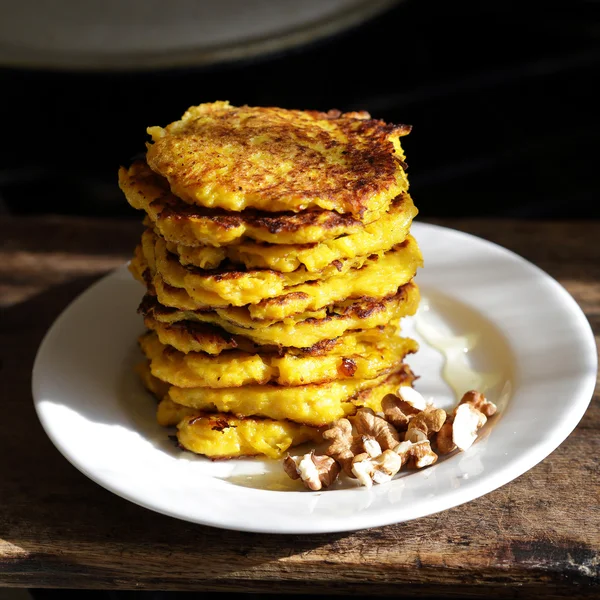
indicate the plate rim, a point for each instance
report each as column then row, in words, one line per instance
column 366, row 520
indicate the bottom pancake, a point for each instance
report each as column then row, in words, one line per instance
column 220, row 435
column 263, row 420
column 224, row 436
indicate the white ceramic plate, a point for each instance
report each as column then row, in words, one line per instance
column 504, row 325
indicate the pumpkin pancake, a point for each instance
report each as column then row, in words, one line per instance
column 312, row 404
column 190, row 336
column 236, row 368
column 375, row 238
column 274, row 295
column 224, row 286
column 377, row 278
column 274, row 159
column 362, row 314
column 193, row 225
column 222, row 436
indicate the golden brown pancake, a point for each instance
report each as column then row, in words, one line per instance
column 270, row 290
column 235, row 368
column 204, row 428
column 361, row 314
column 312, row 404
column 222, row 436
column 193, row 225
column 375, row 238
column 228, row 285
column 278, row 265
column 274, row 159
column 377, row 278
column 190, row 336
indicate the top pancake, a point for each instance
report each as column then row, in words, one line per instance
column 273, row 159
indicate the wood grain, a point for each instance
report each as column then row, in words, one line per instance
column 537, row 536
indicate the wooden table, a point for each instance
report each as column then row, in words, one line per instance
column 538, row 535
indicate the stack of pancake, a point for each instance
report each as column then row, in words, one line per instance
column 278, row 264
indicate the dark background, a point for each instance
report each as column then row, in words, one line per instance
column 500, row 95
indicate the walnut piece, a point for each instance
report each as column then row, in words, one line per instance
column 397, row 412
column 344, row 445
column 479, row 402
column 412, row 397
column 467, row 422
column 367, row 423
column 371, row 446
column 315, row 471
column 376, row 469
column 424, row 424
column 365, row 432
column 462, row 426
column 443, row 440
column 416, row 455
column 377, row 466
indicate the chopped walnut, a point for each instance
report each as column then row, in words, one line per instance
column 344, row 444
column 315, row 471
column 367, row 423
column 414, row 435
column 412, row 397
column 367, row 446
column 463, row 425
column 422, row 455
column 378, row 469
column 416, row 455
column 373, row 435
column 478, row 401
column 443, row 440
column 424, row 424
column 467, row 422
column 397, row 412
column 371, row 446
